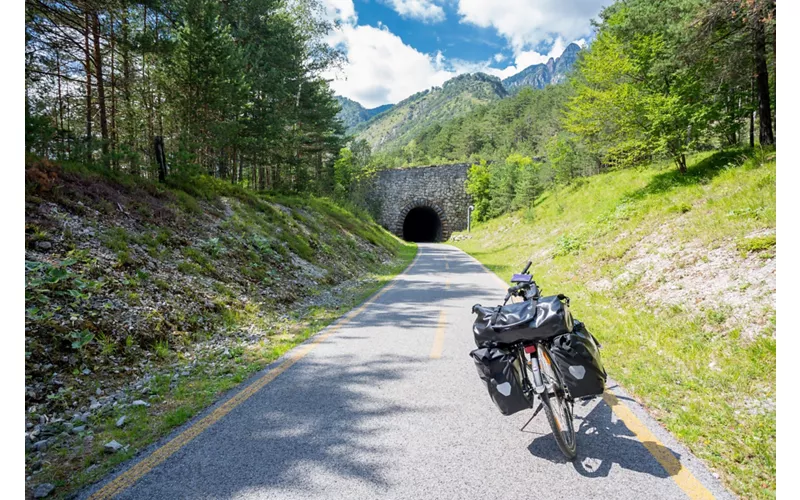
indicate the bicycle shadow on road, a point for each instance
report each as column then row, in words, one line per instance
column 604, row 440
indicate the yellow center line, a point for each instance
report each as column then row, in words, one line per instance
column 137, row 471
column 438, row 339
column 680, row 474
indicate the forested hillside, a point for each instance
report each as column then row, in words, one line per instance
column 354, row 114
column 457, row 96
column 230, row 89
column 659, row 81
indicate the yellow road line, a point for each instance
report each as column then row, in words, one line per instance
column 132, row 475
column 438, row 339
column 680, row 474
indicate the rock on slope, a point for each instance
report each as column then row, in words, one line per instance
column 132, row 288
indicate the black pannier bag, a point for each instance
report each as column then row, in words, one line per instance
column 501, row 373
column 543, row 318
column 577, row 355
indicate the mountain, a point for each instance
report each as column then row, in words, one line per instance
column 353, row 113
column 540, row 75
column 405, row 119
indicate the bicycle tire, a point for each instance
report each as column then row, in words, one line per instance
column 567, row 444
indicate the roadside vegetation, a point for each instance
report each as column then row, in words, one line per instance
column 675, row 274
column 146, row 302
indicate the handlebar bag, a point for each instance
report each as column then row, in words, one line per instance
column 501, row 373
column 542, row 318
column 577, row 355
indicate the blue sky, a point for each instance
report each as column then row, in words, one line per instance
column 398, row 47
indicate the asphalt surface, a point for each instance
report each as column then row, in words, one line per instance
column 372, row 412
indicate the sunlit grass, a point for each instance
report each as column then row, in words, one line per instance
column 704, row 383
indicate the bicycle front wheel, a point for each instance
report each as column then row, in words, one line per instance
column 556, row 407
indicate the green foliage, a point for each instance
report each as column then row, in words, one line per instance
column 478, row 187
column 757, row 244
column 81, row 338
column 234, row 88
column 344, row 169
column 399, row 126
column 567, row 244
column 116, row 239
column 500, row 187
column 161, row 349
column 563, row 158
column 527, row 180
column 690, row 365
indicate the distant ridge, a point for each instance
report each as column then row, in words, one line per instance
column 541, row 75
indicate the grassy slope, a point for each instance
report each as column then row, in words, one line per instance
column 184, row 292
column 695, row 363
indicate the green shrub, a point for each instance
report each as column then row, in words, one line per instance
column 567, row 245
column 757, row 244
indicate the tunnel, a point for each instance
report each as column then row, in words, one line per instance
column 421, row 225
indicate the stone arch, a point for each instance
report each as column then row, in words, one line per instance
column 438, row 188
column 423, row 203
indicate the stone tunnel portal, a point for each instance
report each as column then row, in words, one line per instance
column 422, row 225
column 421, row 203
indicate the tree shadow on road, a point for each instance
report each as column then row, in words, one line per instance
column 602, row 442
column 317, row 422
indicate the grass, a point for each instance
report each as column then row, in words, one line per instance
column 234, row 265
column 174, row 404
column 692, row 368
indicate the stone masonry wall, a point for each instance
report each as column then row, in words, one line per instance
column 441, row 187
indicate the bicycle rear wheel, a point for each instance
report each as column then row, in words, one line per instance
column 556, row 406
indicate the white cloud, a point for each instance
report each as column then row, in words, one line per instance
column 381, row 68
column 424, row 10
column 526, row 23
column 340, row 10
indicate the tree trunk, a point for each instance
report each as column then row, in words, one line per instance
column 88, row 65
column 60, row 116
column 765, row 135
column 101, row 97
column 158, row 147
column 115, row 159
column 680, row 161
column 126, row 93
column 147, row 95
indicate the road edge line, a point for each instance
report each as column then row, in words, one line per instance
column 132, row 474
column 679, row 473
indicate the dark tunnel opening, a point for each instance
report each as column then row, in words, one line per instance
column 422, row 225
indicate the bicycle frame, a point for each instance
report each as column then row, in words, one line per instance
column 537, row 385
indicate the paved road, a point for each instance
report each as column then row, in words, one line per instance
column 389, row 405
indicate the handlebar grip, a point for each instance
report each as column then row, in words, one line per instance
column 527, row 266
